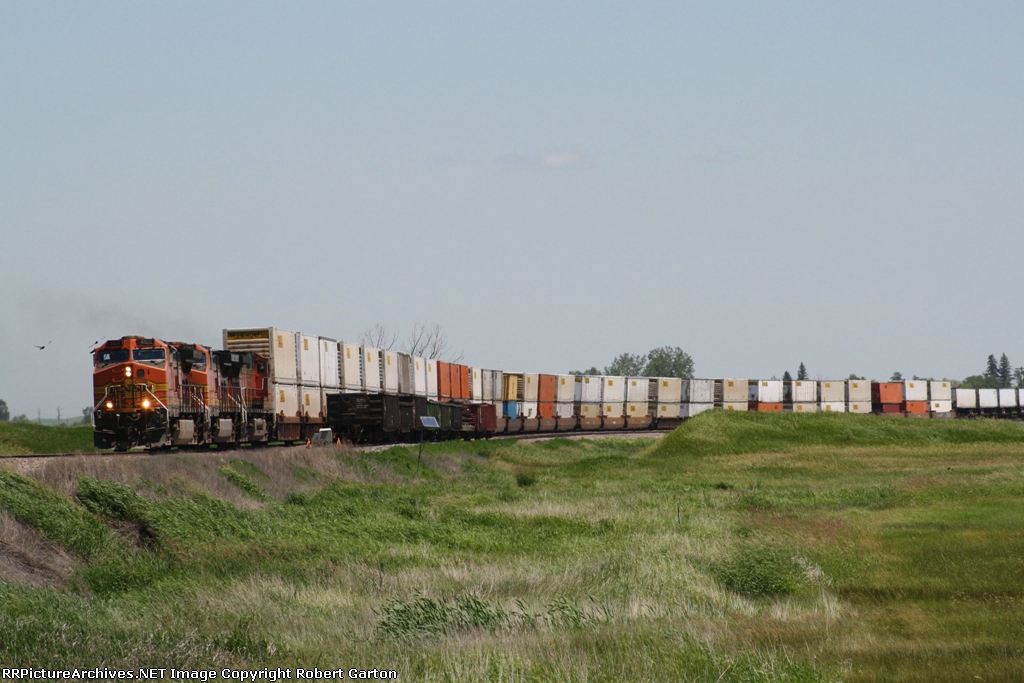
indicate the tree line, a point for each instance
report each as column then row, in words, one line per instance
column 664, row 361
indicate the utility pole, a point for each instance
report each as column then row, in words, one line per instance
column 58, row 416
column 39, row 416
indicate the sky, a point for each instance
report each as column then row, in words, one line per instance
column 761, row 184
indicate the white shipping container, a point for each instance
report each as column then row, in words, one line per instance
column 666, row 389
column 310, row 400
column 405, row 381
column 419, row 376
column 765, row 390
column 966, row 398
column 940, row 406
column 487, row 386
column 476, row 384
column 277, row 345
column 940, row 391
column 370, row 360
column 915, row 390
column 565, row 388
column 693, row 409
column 389, row 370
column 738, row 406
column 528, row 409
column 636, row 408
column 833, row 407
column 431, row 369
column 667, row 410
column 590, row 389
column 613, row 409
column 285, row 398
column 805, row 407
column 858, row 391
column 309, row 358
column 531, row 385
column 988, row 398
column 497, row 378
column 805, row 391
column 1007, row 398
column 861, row 407
column 734, row 390
column 699, row 391
column 590, row 410
column 637, row 389
column 832, row 391
column 564, row 409
column 330, row 373
column 613, row 389
column 351, row 368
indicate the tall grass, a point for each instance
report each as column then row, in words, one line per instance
column 25, row 438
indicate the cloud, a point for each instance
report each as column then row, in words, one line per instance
column 550, row 160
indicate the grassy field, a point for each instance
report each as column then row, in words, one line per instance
column 23, row 438
column 742, row 547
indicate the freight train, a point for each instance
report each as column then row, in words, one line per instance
column 269, row 385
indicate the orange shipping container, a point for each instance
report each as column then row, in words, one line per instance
column 915, row 406
column 463, row 382
column 547, row 387
column 444, row 381
column 766, row 407
column 546, row 409
column 892, row 408
column 887, row 392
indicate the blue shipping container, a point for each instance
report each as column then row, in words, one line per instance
column 511, row 410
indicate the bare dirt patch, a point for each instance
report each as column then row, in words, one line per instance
column 27, row 557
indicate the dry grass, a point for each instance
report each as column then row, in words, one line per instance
column 26, row 557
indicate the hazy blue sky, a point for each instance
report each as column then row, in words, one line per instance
column 554, row 183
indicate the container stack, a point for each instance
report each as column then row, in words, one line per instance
column 698, row 395
column 858, row 396
column 531, row 395
column 800, row 396
column 731, row 394
column 613, row 401
column 282, row 367
column 765, row 395
column 887, row 398
column 512, row 395
column 589, row 401
column 638, row 391
column 565, row 398
column 915, row 398
column 940, row 398
column 665, row 398
column 832, row 396
column 547, row 388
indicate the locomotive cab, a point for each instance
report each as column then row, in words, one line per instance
column 130, row 390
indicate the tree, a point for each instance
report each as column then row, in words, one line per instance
column 590, row 371
column 853, row 376
column 379, row 337
column 1018, row 376
column 786, row 377
column 668, row 361
column 896, row 377
column 1005, row 372
column 801, row 372
column 5, row 413
column 980, row 382
column 20, row 419
column 627, row 364
column 431, row 342
column 992, row 367
column 86, row 416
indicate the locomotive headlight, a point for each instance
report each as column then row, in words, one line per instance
column 127, row 372
column 145, row 403
column 110, row 405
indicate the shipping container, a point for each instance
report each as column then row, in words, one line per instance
column 431, row 366
column 405, row 381
column 512, row 388
column 389, row 370
column 419, row 376
column 731, row 390
column 915, row 407
column 636, row 408
column 546, row 409
column 309, row 358
column 940, row 390
column 759, row 407
column 464, row 381
column 666, row 390
column 590, row 389
column 487, row 386
column 330, row 373
column 941, row 406
column 833, row 392
column 444, row 381
column 528, row 410
column 565, row 388
column 497, row 381
column 547, row 388
column 614, row 409
column 765, row 391
column 1007, row 398
column 613, row 390
column 565, row 409
column 637, row 389
column 476, row 384
column 887, row 392
column 800, row 391
column 805, row 407
column 311, row 400
column 988, row 398
column 350, row 366
column 277, row 345
column 285, row 398
column 833, row 406
column 370, row 359
column 858, row 391
column 667, row 410
column 698, row 391
column 860, row 407
column 890, row 408
column 689, row 410
column 590, row 410
column 966, row 399
column 530, row 386
column 915, row 390
column 511, row 409
column 738, row 406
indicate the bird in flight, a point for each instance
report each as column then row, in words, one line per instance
column 43, row 346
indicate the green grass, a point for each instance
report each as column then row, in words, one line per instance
column 738, row 548
column 25, row 438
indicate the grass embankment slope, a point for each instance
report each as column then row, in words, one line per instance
column 741, row 547
column 26, row 438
